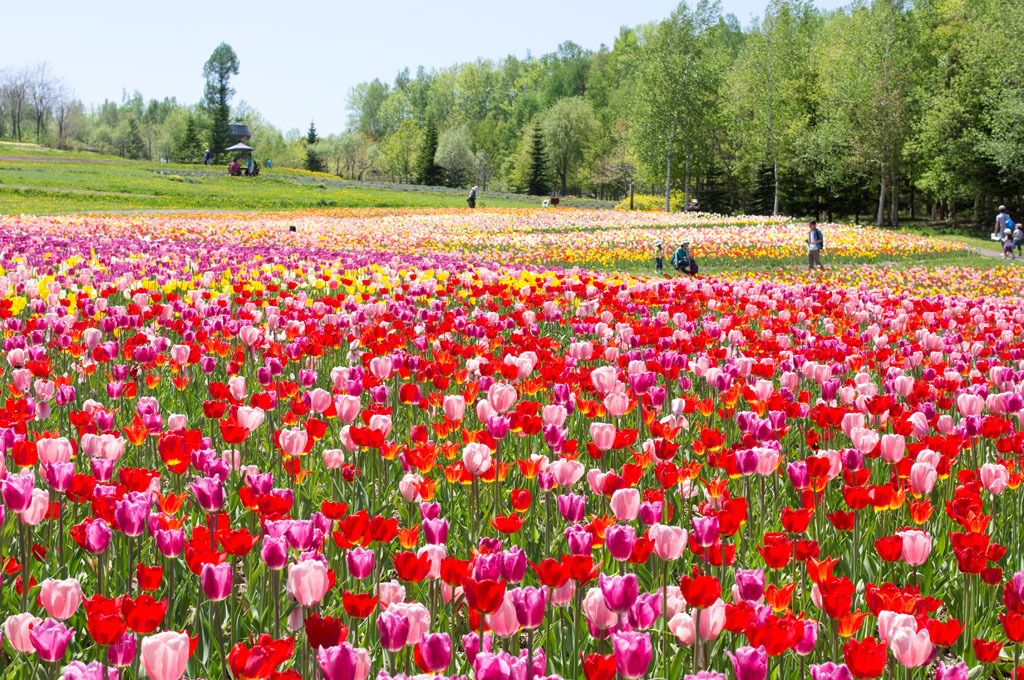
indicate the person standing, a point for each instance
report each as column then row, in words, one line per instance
column 471, row 199
column 206, row 157
column 659, row 259
column 815, row 244
column 248, row 167
column 1018, row 238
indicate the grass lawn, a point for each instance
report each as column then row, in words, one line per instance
column 62, row 187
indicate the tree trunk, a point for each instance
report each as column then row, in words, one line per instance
column 881, row 199
column 668, row 163
column 894, row 194
column 775, row 173
column 686, row 183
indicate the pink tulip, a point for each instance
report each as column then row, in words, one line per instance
column 54, row 450
column 390, row 592
column 994, row 477
column 250, row 418
column 554, row 414
column 633, row 654
column 179, row 354
column 418, row 617
column 37, row 509
column 682, row 626
column 333, row 458
column 889, row 622
column 319, row 400
column 237, row 387
column 917, row 545
column 625, row 504
column 477, row 458
column 604, row 378
column 504, row 622
column 893, row 447
column 381, row 367
column 617, row 404
column 293, row 440
column 597, row 611
column 165, row 655
column 970, row 404
column 16, row 492
column 308, row 582
column 923, row 477
column 348, row 407
column 911, row 648
column 567, row 472
column 863, row 439
column 501, row 396
column 454, row 407
column 17, row 629
column 711, row 620
column 603, row 435
column 60, row 599
column 669, row 541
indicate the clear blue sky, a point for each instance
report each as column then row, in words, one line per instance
column 298, row 58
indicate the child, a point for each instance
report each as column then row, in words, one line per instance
column 1008, row 245
column 659, row 259
column 1018, row 238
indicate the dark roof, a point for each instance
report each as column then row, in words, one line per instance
column 239, row 130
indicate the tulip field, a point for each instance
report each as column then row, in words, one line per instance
column 481, row 445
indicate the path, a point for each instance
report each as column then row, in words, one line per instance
column 997, row 254
column 58, row 159
column 84, row 192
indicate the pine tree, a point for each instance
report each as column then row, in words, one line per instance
column 217, row 70
column 537, row 184
column 135, row 146
column 190, row 147
column 313, row 161
column 429, row 172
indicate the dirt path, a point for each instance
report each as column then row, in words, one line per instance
column 58, row 159
column 996, row 254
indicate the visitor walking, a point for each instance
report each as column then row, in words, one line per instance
column 1018, row 238
column 1003, row 222
column 815, row 244
column 1008, row 244
column 659, row 258
column 471, row 200
column 206, row 157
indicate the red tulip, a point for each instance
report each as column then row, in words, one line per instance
column 143, row 615
column 700, row 590
column 865, row 658
column 358, row 605
column 484, row 596
column 987, row 651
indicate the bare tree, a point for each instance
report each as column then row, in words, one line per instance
column 63, row 103
column 14, row 93
column 42, row 88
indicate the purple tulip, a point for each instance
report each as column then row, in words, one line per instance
column 633, row 653
column 216, row 580
column 620, row 592
column 209, row 493
column 513, row 564
column 51, row 638
column 274, row 552
column 749, row 663
column 705, row 530
column 122, row 652
column 572, row 506
column 831, row 671
column 619, row 541
column 798, row 475
column 393, row 628
column 132, row 512
column 436, row 649
column 750, row 584
column 59, row 475
column 170, row 542
column 529, row 605
column 435, row 531
column 16, row 491
column 360, row 562
column 97, row 536
column 340, row 662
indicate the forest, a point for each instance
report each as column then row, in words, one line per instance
column 878, row 111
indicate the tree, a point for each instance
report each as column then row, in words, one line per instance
column 15, row 94
column 313, row 161
column 218, row 69
column 364, row 102
column 398, row 151
column 537, row 176
column 429, row 172
column 190, row 147
column 454, row 154
column 42, row 89
column 674, row 85
column 568, row 126
column 133, row 144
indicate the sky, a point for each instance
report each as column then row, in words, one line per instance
column 298, row 59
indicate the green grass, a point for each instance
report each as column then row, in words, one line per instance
column 54, row 187
column 29, row 149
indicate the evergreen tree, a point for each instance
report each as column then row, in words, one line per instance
column 537, row 184
column 429, row 172
column 313, row 161
column 190, row 147
column 135, row 146
column 217, row 70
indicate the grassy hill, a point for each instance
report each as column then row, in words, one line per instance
column 39, row 180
